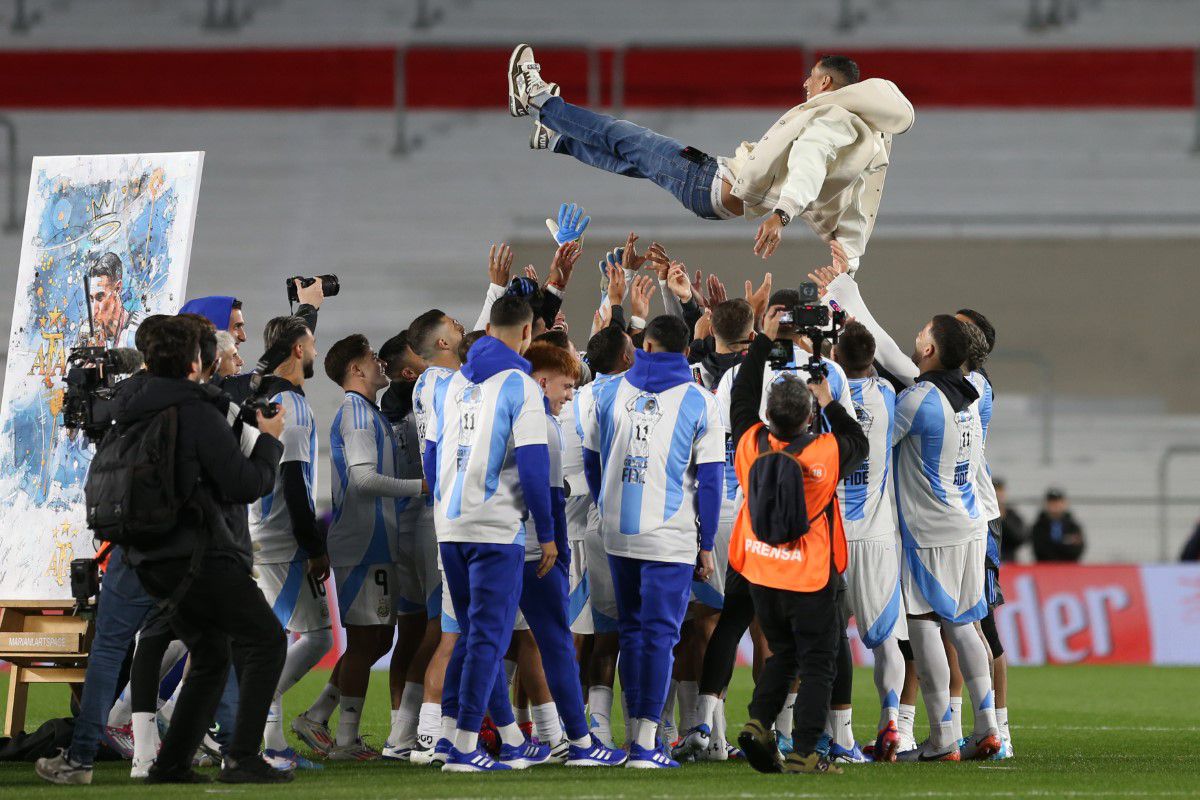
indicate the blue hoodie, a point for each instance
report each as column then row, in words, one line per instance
column 658, row 372
column 217, row 309
column 487, row 357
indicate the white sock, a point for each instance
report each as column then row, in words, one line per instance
column 906, row 718
column 600, row 703
column 273, row 738
column 522, row 714
column 668, row 712
column 510, row 669
column 404, row 718
column 933, row 670
column 322, row 708
column 843, row 731
column 889, row 679
column 647, row 731
column 510, row 734
column 1002, row 723
column 630, row 728
column 977, row 675
column 546, row 725
column 689, row 691
column 393, row 736
column 145, row 736
column 449, row 726
column 167, row 709
column 718, row 737
column 783, row 722
column 349, row 715
column 956, row 717
column 465, row 741
column 706, row 710
column 429, row 726
column 121, row 713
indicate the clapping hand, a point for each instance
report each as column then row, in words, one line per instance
column 639, row 296
column 758, row 298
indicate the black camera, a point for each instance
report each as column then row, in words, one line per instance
column 85, row 583
column 814, row 320
column 257, row 400
column 329, row 286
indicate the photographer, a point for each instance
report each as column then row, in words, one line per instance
column 220, row 604
column 794, row 578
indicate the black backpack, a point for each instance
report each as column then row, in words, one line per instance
column 130, row 487
column 775, row 495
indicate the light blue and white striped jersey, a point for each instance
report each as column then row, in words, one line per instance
column 477, row 428
column 582, row 406
column 731, row 494
column 937, row 459
column 866, row 496
column 270, row 522
column 366, row 528
column 989, row 503
column 554, row 436
column 798, row 366
column 424, row 392
column 649, row 446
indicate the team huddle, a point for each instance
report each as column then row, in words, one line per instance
column 534, row 520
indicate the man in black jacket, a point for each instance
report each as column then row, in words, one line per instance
column 221, row 605
column 1055, row 534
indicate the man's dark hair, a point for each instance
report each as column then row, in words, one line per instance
column 841, row 69
column 343, row 353
column 464, row 347
column 977, row 348
column 605, row 348
column 950, row 339
column 789, row 406
column 733, row 321
column 236, row 305
column 392, row 352
column 285, row 330
column 139, row 338
column 206, row 336
column 421, row 333
column 510, row 311
column 172, row 344
column 106, row 266
column 558, row 338
column 981, row 322
column 855, row 349
column 668, row 332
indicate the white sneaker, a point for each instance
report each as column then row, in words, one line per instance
column 716, row 751
column 539, row 138
column 423, row 753
column 62, row 770
column 524, row 80
column 141, row 768
column 396, row 752
column 314, row 734
column 560, row 752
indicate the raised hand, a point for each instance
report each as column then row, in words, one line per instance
column 758, row 298
column 601, row 319
column 716, row 291
column 531, row 272
column 698, row 289
column 571, row 223
column 678, row 283
column 563, row 264
column 658, row 259
column 822, row 277
column 841, row 262
column 500, row 259
column 640, row 294
column 616, row 285
column 703, row 325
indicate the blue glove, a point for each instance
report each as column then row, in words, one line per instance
column 571, row 223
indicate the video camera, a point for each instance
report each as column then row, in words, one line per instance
column 814, row 320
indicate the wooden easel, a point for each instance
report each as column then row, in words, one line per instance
column 45, row 644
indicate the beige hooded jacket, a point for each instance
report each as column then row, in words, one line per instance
column 825, row 160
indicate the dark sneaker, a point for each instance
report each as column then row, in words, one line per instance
column 189, row 775
column 252, row 770
column 811, row 764
column 757, row 742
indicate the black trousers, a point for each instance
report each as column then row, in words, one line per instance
column 802, row 630
column 223, row 616
column 721, row 653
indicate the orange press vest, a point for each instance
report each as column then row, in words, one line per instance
column 804, row 564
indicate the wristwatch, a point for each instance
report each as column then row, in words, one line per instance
column 784, row 217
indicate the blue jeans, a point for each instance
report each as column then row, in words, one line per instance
column 544, row 604
column 652, row 598
column 484, row 581
column 123, row 607
column 623, row 148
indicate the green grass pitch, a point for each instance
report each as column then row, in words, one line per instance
column 1110, row 732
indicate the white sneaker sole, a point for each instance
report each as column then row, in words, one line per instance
column 468, row 768
column 399, row 754
column 515, row 108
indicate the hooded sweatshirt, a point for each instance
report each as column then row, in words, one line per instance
column 486, row 458
column 208, row 458
column 654, row 453
column 215, row 308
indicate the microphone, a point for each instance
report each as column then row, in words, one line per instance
column 125, row 360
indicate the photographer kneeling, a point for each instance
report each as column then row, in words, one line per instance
column 789, row 544
column 202, row 567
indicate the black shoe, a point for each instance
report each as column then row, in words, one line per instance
column 251, row 770
column 758, row 745
column 176, row 776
